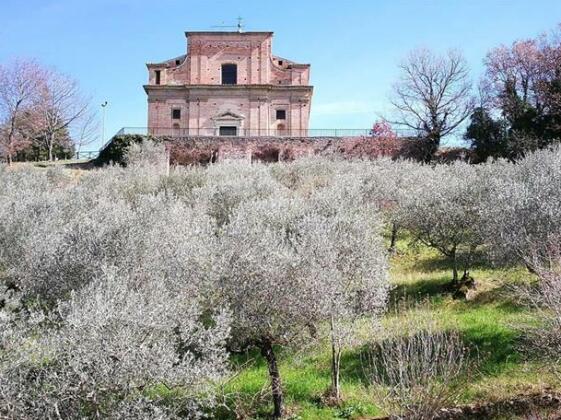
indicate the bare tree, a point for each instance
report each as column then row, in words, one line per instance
column 20, row 85
column 432, row 95
column 61, row 107
column 87, row 130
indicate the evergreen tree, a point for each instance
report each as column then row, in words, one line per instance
column 487, row 136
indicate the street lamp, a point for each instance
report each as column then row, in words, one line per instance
column 103, row 105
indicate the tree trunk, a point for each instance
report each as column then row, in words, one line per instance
column 432, row 142
column 530, row 268
column 10, row 140
column 276, row 387
column 335, row 364
column 393, row 238
column 454, row 267
column 168, row 159
column 50, row 149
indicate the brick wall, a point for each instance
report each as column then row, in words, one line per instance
column 270, row 149
column 203, row 150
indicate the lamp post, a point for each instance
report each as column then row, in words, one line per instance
column 103, row 106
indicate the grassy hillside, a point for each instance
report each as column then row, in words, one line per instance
column 491, row 324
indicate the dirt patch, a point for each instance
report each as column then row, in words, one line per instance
column 521, row 405
column 525, row 406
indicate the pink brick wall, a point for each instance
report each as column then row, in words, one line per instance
column 192, row 83
column 219, row 149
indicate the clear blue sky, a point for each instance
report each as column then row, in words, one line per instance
column 353, row 46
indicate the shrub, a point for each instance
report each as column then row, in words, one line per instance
column 418, row 370
column 521, row 210
column 148, row 153
column 109, row 347
column 107, row 296
column 545, row 296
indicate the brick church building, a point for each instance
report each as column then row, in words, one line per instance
column 229, row 84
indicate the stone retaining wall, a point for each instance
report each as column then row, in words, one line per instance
column 203, row 150
column 272, row 149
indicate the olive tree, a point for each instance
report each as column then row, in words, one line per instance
column 442, row 211
column 522, row 209
column 109, row 347
column 345, row 253
column 388, row 185
column 229, row 185
column 285, row 269
column 148, row 153
column 106, row 296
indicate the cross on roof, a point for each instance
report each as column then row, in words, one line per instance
column 239, row 26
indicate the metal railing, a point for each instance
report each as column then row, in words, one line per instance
column 245, row 132
column 90, row 154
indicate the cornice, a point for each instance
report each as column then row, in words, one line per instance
column 229, row 88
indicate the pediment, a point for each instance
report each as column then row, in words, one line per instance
column 228, row 115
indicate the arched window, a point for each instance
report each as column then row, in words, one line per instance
column 229, row 74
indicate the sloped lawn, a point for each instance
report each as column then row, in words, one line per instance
column 492, row 324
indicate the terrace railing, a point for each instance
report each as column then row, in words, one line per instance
column 245, row 132
column 90, row 154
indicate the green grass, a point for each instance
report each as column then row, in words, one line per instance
column 491, row 323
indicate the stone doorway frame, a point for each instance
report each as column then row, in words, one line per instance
column 228, row 119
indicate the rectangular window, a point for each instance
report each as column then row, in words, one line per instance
column 176, row 114
column 281, row 114
column 229, row 74
column 228, row 131
column 158, row 76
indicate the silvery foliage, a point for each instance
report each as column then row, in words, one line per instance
column 183, row 183
column 522, row 209
column 388, row 185
column 351, row 263
column 231, row 184
column 545, row 296
column 283, row 246
column 56, row 238
column 147, row 153
column 289, row 262
column 108, row 349
column 106, row 297
column 443, row 211
column 306, row 174
column 75, row 247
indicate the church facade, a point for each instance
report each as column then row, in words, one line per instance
column 229, row 84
